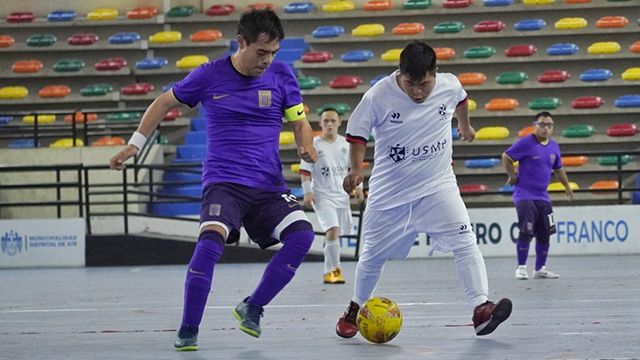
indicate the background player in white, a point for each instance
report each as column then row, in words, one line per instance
column 412, row 188
column 322, row 185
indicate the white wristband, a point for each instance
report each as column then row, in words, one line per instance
column 138, row 140
column 306, row 186
column 360, row 186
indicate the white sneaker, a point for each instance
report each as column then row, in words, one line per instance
column 543, row 273
column 521, row 272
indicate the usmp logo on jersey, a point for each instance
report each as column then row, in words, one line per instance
column 397, row 153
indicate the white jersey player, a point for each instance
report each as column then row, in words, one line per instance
column 322, row 186
column 412, row 188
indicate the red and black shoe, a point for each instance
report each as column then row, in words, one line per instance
column 347, row 327
column 487, row 316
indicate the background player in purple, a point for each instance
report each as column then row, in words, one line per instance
column 244, row 96
column 538, row 156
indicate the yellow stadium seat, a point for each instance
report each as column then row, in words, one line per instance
column 191, row 61
column 13, row 92
column 165, row 37
column 295, row 168
column 286, row 138
column 492, row 133
column 66, row 143
column 631, row 74
column 557, row 186
column 570, row 23
column 338, row 6
column 42, row 119
column 538, row 2
column 605, row 47
column 102, row 14
column 472, row 105
column 368, row 30
column 391, row 55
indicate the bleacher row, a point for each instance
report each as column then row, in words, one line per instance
column 587, row 73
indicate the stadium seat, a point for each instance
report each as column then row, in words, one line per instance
column 634, row 48
column 123, row 116
column 612, row 22
column 152, row 63
column 552, row 76
column 80, row 117
column 507, row 188
column 391, row 55
column 111, row 64
column 587, row 102
column 455, row 135
column 260, row 6
column 501, row 104
column 627, row 101
column 299, row 7
column 377, row 78
column 448, row 27
column 27, row 66
column 206, row 35
column 444, row 53
column 538, row 2
column 562, row 49
column 631, row 74
column 124, row 38
column 42, row 119
column 579, row 131
column 136, row 89
column 471, row 104
column 492, row 133
column 286, row 138
column 338, row 6
column 181, row 11
column 574, row 161
column 622, row 129
column 5, row 119
column 66, row 143
column 317, row 56
column 521, row 50
column 327, row 31
column 345, row 82
column 472, row 78
column 571, row 23
column 54, row 91
column 456, row 4
column 525, row 131
column 473, row 188
column 604, row 47
column 479, row 52
column 162, row 37
column 6, row 41
column 61, row 16
column 512, row 77
column 481, row 163
column 604, row 186
column 144, row 12
column 191, row 61
column 530, row 25
column 102, row 14
column 357, row 56
column 545, row 103
column 83, row 39
column 368, row 30
column 497, row 2
column 96, row 90
column 68, row 65
column 489, row 26
column 109, row 141
column 13, row 92
column 295, row 168
column 309, row 82
column 596, row 75
column 172, row 114
column 614, row 160
column 412, row 28
column 22, row 144
column 377, row 5
column 416, row 4
column 41, row 40
column 558, row 187
column 340, row 107
column 577, row 1
column 20, row 17
column 220, row 10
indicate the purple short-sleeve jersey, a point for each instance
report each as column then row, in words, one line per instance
column 536, row 164
column 243, row 120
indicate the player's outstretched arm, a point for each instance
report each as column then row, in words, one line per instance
column 304, row 139
column 150, row 121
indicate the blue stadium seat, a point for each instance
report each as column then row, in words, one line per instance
column 562, row 49
column 191, row 152
column 481, row 163
column 627, row 101
column 195, row 138
column 327, row 31
column 197, row 124
column 530, row 25
column 357, row 56
column 596, row 75
column 22, row 144
column 4, row 120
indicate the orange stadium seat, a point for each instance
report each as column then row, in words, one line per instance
column 144, row 12
column 577, row 1
column 525, row 131
column 260, row 6
column 6, row 41
column 220, row 10
column 408, row 28
column 54, row 91
column 612, row 22
column 445, row 53
column 109, row 141
column 635, row 47
column 80, row 117
column 604, row 185
column 472, row 78
column 172, row 115
column 377, row 5
column 574, row 161
column 501, row 104
column 206, row 35
column 27, row 66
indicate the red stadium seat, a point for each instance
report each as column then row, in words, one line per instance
column 109, row 141
column 521, row 50
column 551, row 76
column 137, row 89
column 457, row 4
column 172, row 115
column 345, row 82
column 473, row 188
column 20, row 17
column 587, row 102
column 623, row 129
column 220, row 10
column 260, row 6
column 317, row 56
column 110, row 64
column 489, row 26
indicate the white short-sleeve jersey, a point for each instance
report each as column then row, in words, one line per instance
column 413, row 142
column 329, row 170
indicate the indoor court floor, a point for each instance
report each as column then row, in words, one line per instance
column 591, row 312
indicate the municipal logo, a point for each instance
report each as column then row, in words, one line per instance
column 397, row 153
column 264, row 98
column 11, row 243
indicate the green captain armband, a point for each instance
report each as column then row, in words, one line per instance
column 294, row 113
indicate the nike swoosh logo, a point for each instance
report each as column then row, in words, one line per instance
column 300, row 112
column 291, row 267
column 218, row 97
column 195, row 272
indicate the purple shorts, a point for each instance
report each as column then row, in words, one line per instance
column 263, row 214
column 535, row 218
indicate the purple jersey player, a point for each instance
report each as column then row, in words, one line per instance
column 244, row 96
column 538, row 157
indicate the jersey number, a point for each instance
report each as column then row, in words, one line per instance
column 289, row 198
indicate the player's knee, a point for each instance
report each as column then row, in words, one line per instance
column 524, row 237
column 208, row 231
column 544, row 239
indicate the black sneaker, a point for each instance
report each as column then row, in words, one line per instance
column 187, row 339
column 249, row 317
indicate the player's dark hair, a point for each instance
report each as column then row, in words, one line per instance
column 416, row 60
column 255, row 22
column 330, row 109
column 543, row 114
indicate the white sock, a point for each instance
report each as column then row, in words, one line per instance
column 472, row 273
column 367, row 276
column 331, row 255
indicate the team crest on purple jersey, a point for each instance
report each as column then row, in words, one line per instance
column 264, row 98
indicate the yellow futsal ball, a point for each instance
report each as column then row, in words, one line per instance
column 379, row 320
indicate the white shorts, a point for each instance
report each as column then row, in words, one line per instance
column 330, row 216
column 390, row 233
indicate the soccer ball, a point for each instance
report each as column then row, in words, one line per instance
column 379, row 320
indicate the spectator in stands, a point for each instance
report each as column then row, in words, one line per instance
column 322, row 185
column 538, row 156
column 245, row 96
column 412, row 188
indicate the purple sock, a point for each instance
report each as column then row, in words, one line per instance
column 542, row 250
column 200, row 276
column 522, row 248
column 282, row 266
